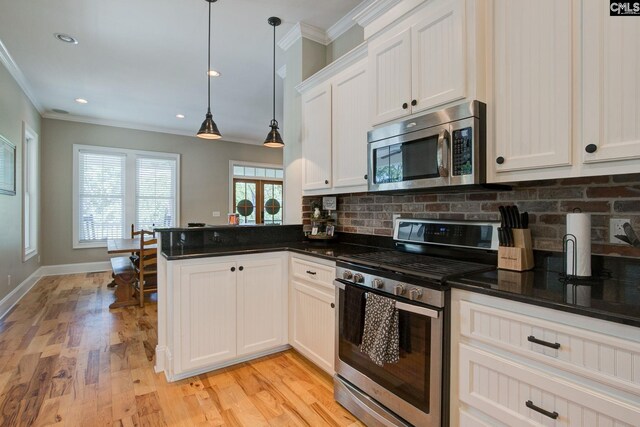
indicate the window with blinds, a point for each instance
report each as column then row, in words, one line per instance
column 115, row 188
column 155, row 192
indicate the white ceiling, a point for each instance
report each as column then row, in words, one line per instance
column 141, row 62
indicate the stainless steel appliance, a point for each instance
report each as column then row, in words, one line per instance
column 411, row 391
column 435, row 150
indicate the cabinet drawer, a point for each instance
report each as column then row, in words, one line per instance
column 313, row 272
column 593, row 355
column 518, row 395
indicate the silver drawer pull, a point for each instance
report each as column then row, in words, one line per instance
column 313, row 273
column 535, row 340
column 553, row 415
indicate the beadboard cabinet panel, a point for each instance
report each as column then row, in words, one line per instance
column 316, row 138
column 532, row 79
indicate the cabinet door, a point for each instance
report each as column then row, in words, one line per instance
column 316, row 138
column 313, row 323
column 350, row 125
column 611, row 85
column 390, row 78
column 261, row 296
column 532, row 83
column 438, row 55
column 207, row 314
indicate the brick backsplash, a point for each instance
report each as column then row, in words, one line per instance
column 547, row 202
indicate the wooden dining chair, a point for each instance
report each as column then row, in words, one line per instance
column 147, row 265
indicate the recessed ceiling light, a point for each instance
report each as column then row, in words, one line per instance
column 66, row 38
column 180, row 116
column 213, row 73
column 59, row 111
column 81, row 101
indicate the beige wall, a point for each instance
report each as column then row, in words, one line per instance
column 15, row 108
column 343, row 44
column 204, row 182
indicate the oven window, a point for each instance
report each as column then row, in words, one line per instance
column 408, row 379
column 406, row 161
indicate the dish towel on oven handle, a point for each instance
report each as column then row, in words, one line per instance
column 381, row 337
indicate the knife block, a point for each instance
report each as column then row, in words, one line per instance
column 520, row 256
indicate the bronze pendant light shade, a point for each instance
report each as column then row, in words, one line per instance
column 209, row 129
column 273, row 137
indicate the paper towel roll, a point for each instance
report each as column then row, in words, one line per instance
column 579, row 225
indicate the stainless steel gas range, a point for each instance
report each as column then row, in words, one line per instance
column 413, row 390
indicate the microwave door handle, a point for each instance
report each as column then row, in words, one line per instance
column 443, row 153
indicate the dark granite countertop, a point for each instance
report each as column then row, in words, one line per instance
column 329, row 251
column 613, row 293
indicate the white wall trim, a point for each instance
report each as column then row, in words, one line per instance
column 307, row 31
column 356, row 54
column 12, row 298
column 84, row 267
column 282, row 71
column 345, row 23
column 374, row 10
column 19, row 77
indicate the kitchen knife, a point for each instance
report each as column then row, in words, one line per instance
column 503, row 216
column 508, row 237
column 500, row 236
column 516, row 214
column 511, row 220
column 525, row 220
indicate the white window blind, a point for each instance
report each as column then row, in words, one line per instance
column 101, row 181
column 155, row 192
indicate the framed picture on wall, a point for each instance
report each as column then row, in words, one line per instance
column 7, row 167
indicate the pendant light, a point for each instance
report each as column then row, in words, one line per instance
column 209, row 130
column 273, row 137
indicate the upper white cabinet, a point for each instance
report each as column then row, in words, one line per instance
column 532, row 83
column 316, row 138
column 611, row 85
column 564, row 99
column 335, row 122
column 420, row 63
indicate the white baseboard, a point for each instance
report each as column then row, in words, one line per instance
column 85, row 267
column 18, row 292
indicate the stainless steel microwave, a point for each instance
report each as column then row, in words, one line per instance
column 439, row 149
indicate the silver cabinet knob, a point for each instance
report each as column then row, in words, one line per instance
column 399, row 289
column 415, row 294
column 358, row 278
column 347, row 275
column 377, row 283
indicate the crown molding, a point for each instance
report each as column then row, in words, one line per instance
column 374, row 10
column 301, row 30
column 345, row 23
column 356, row 54
column 127, row 125
column 18, row 76
column 282, row 71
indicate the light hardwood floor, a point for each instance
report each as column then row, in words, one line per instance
column 67, row 360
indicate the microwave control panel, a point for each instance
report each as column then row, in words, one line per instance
column 462, row 151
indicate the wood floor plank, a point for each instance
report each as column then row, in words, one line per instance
column 67, row 360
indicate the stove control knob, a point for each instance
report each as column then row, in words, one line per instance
column 377, row 283
column 399, row 289
column 358, row 278
column 347, row 275
column 415, row 294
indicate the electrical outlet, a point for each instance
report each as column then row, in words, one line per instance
column 616, row 228
column 215, row 213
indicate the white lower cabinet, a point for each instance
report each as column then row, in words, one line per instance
column 225, row 309
column 514, row 364
column 312, row 312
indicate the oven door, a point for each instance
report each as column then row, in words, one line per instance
column 418, row 159
column 411, row 388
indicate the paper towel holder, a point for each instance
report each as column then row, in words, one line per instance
column 569, row 241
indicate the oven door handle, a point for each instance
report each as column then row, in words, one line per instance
column 423, row 311
column 443, row 153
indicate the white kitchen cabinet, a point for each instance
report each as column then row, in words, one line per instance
column 261, row 291
column 420, row 65
column 335, row 124
column 611, row 86
column 316, row 138
column 350, row 123
column 589, row 379
column 222, row 310
column 532, row 81
column 312, row 312
column 207, row 313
